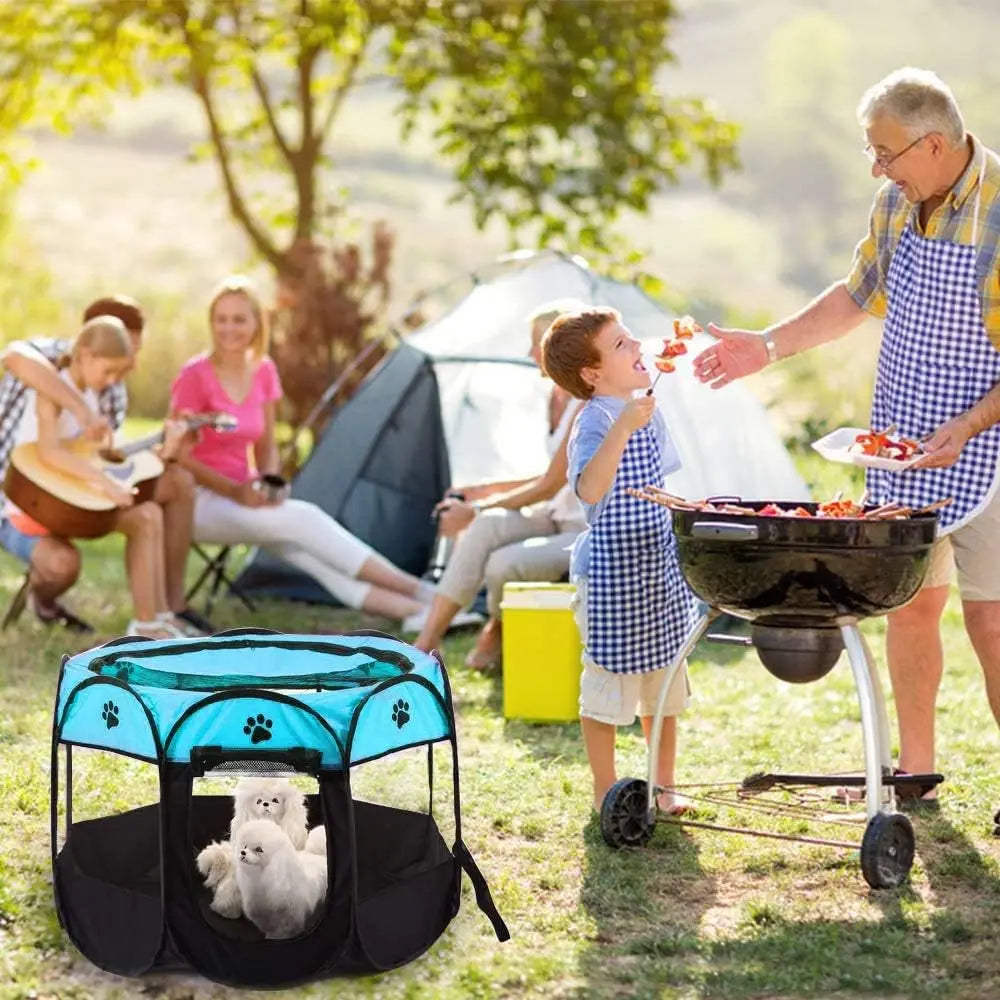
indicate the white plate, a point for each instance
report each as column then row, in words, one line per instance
column 835, row 445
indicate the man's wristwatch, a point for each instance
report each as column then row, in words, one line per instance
column 771, row 347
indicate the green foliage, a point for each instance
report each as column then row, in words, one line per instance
column 549, row 113
column 28, row 307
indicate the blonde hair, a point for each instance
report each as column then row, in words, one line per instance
column 548, row 311
column 103, row 337
column 919, row 100
column 238, row 284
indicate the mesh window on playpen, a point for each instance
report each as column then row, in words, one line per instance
column 107, row 844
column 242, row 811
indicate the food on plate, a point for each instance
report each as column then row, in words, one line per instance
column 879, row 444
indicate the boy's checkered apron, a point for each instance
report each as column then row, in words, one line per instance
column 639, row 607
column 936, row 361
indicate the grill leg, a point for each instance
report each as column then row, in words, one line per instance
column 874, row 720
column 699, row 628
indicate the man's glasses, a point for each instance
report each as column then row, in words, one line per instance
column 884, row 162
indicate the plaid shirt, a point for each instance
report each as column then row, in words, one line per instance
column 13, row 397
column 951, row 220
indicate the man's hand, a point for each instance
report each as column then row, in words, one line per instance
column 945, row 445
column 94, row 426
column 453, row 516
column 637, row 413
column 734, row 354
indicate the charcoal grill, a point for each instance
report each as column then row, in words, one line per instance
column 803, row 584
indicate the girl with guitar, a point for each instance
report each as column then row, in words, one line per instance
column 101, row 356
column 233, row 504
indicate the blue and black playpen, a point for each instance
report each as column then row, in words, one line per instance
column 253, row 701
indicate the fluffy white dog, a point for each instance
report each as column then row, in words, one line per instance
column 316, row 841
column 274, row 800
column 281, row 887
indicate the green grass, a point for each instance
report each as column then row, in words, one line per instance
column 697, row 913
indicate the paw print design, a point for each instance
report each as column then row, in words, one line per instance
column 110, row 714
column 401, row 713
column 258, row 729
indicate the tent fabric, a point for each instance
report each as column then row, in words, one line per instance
column 484, row 419
column 379, row 468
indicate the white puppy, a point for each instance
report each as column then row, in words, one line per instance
column 275, row 800
column 281, row 888
column 316, row 841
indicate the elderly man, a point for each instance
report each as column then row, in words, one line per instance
column 929, row 268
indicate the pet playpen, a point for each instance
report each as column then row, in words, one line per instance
column 254, row 701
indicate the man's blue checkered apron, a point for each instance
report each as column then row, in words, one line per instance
column 936, row 361
column 639, row 607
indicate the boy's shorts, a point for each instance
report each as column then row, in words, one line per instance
column 613, row 698
column 974, row 549
column 18, row 543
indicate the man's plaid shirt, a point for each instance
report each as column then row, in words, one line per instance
column 13, row 397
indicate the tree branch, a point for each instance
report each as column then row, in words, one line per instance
column 342, row 91
column 264, row 96
column 237, row 203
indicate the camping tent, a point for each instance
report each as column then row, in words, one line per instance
column 459, row 402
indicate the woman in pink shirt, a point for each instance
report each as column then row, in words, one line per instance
column 238, row 377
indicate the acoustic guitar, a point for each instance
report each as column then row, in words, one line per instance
column 70, row 507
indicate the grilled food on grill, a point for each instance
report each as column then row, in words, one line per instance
column 836, row 508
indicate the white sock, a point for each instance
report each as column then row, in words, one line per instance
column 425, row 592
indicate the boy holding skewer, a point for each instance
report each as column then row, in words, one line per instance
column 634, row 608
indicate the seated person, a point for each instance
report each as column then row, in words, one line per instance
column 236, row 376
column 510, row 531
column 100, row 357
column 54, row 564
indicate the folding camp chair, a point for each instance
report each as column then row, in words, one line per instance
column 17, row 603
column 214, row 574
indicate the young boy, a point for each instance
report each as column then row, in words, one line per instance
column 634, row 608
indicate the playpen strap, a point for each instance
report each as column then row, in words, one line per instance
column 483, row 897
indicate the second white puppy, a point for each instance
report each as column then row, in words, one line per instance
column 275, row 800
column 281, row 888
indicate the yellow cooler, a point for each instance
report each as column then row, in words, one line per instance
column 541, row 653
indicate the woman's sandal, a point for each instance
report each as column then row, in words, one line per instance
column 486, row 656
column 156, row 629
column 483, row 661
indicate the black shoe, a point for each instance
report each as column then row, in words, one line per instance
column 199, row 621
column 58, row 615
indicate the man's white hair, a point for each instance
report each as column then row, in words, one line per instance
column 919, row 100
column 548, row 311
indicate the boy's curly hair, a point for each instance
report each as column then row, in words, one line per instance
column 568, row 348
